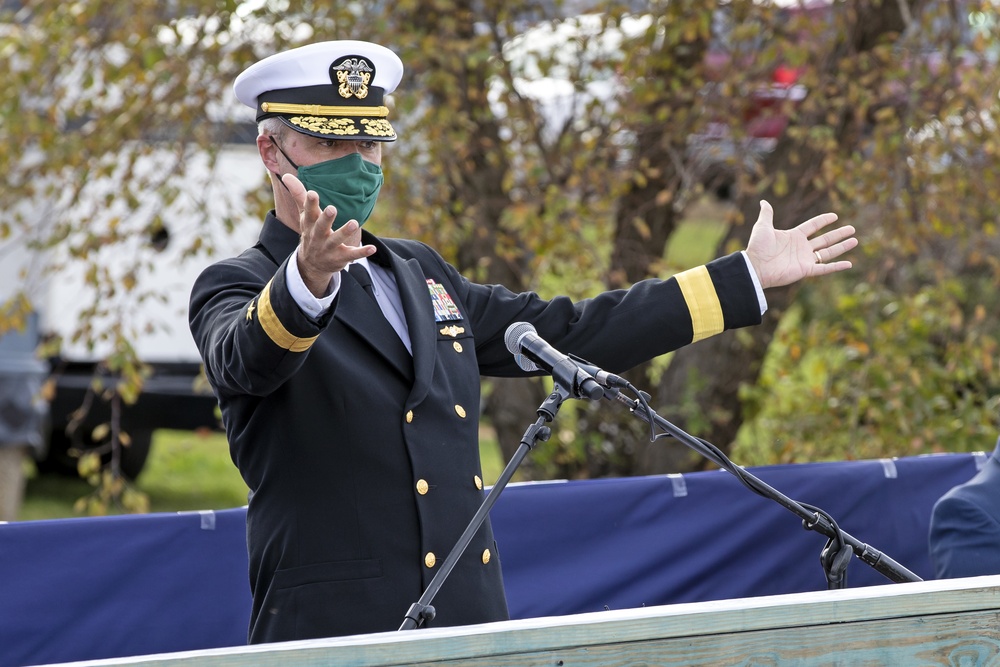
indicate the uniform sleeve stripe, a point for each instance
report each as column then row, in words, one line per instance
column 273, row 327
column 702, row 302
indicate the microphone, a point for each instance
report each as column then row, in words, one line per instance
column 533, row 353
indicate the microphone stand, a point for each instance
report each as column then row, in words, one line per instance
column 834, row 558
column 421, row 611
column 840, row 546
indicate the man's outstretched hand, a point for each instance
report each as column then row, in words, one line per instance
column 322, row 250
column 783, row 256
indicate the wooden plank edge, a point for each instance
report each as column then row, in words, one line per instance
column 390, row 649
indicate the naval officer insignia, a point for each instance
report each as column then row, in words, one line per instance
column 444, row 308
column 353, row 74
column 453, row 331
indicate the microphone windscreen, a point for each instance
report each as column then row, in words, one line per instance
column 512, row 339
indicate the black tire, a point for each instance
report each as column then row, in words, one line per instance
column 133, row 457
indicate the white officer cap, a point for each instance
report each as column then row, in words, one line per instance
column 334, row 90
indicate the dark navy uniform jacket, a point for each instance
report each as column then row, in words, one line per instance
column 363, row 461
column 965, row 525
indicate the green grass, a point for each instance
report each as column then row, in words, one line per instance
column 698, row 236
column 185, row 471
column 191, row 471
column 489, row 453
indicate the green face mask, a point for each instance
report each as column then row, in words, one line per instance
column 350, row 183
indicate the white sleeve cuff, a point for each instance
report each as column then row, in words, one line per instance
column 761, row 301
column 305, row 299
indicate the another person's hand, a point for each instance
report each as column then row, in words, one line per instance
column 322, row 251
column 783, row 256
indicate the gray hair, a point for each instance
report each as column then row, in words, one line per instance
column 272, row 127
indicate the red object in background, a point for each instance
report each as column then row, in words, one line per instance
column 785, row 76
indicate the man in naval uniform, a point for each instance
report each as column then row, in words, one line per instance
column 348, row 366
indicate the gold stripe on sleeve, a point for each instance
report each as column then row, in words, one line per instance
column 273, row 327
column 702, row 302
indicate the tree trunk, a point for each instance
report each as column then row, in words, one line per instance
column 701, row 386
column 12, row 459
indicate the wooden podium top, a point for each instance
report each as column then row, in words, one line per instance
column 948, row 622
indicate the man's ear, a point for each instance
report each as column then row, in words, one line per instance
column 268, row 153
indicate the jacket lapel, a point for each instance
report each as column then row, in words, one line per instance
column 357, row 311
column 420, row 321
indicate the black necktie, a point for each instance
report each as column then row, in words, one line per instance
column 359, row 273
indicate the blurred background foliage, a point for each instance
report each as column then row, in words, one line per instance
column 568, row 147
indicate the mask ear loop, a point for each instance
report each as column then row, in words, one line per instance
column 280, row 150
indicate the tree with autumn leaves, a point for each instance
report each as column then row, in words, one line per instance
column 568, row 148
